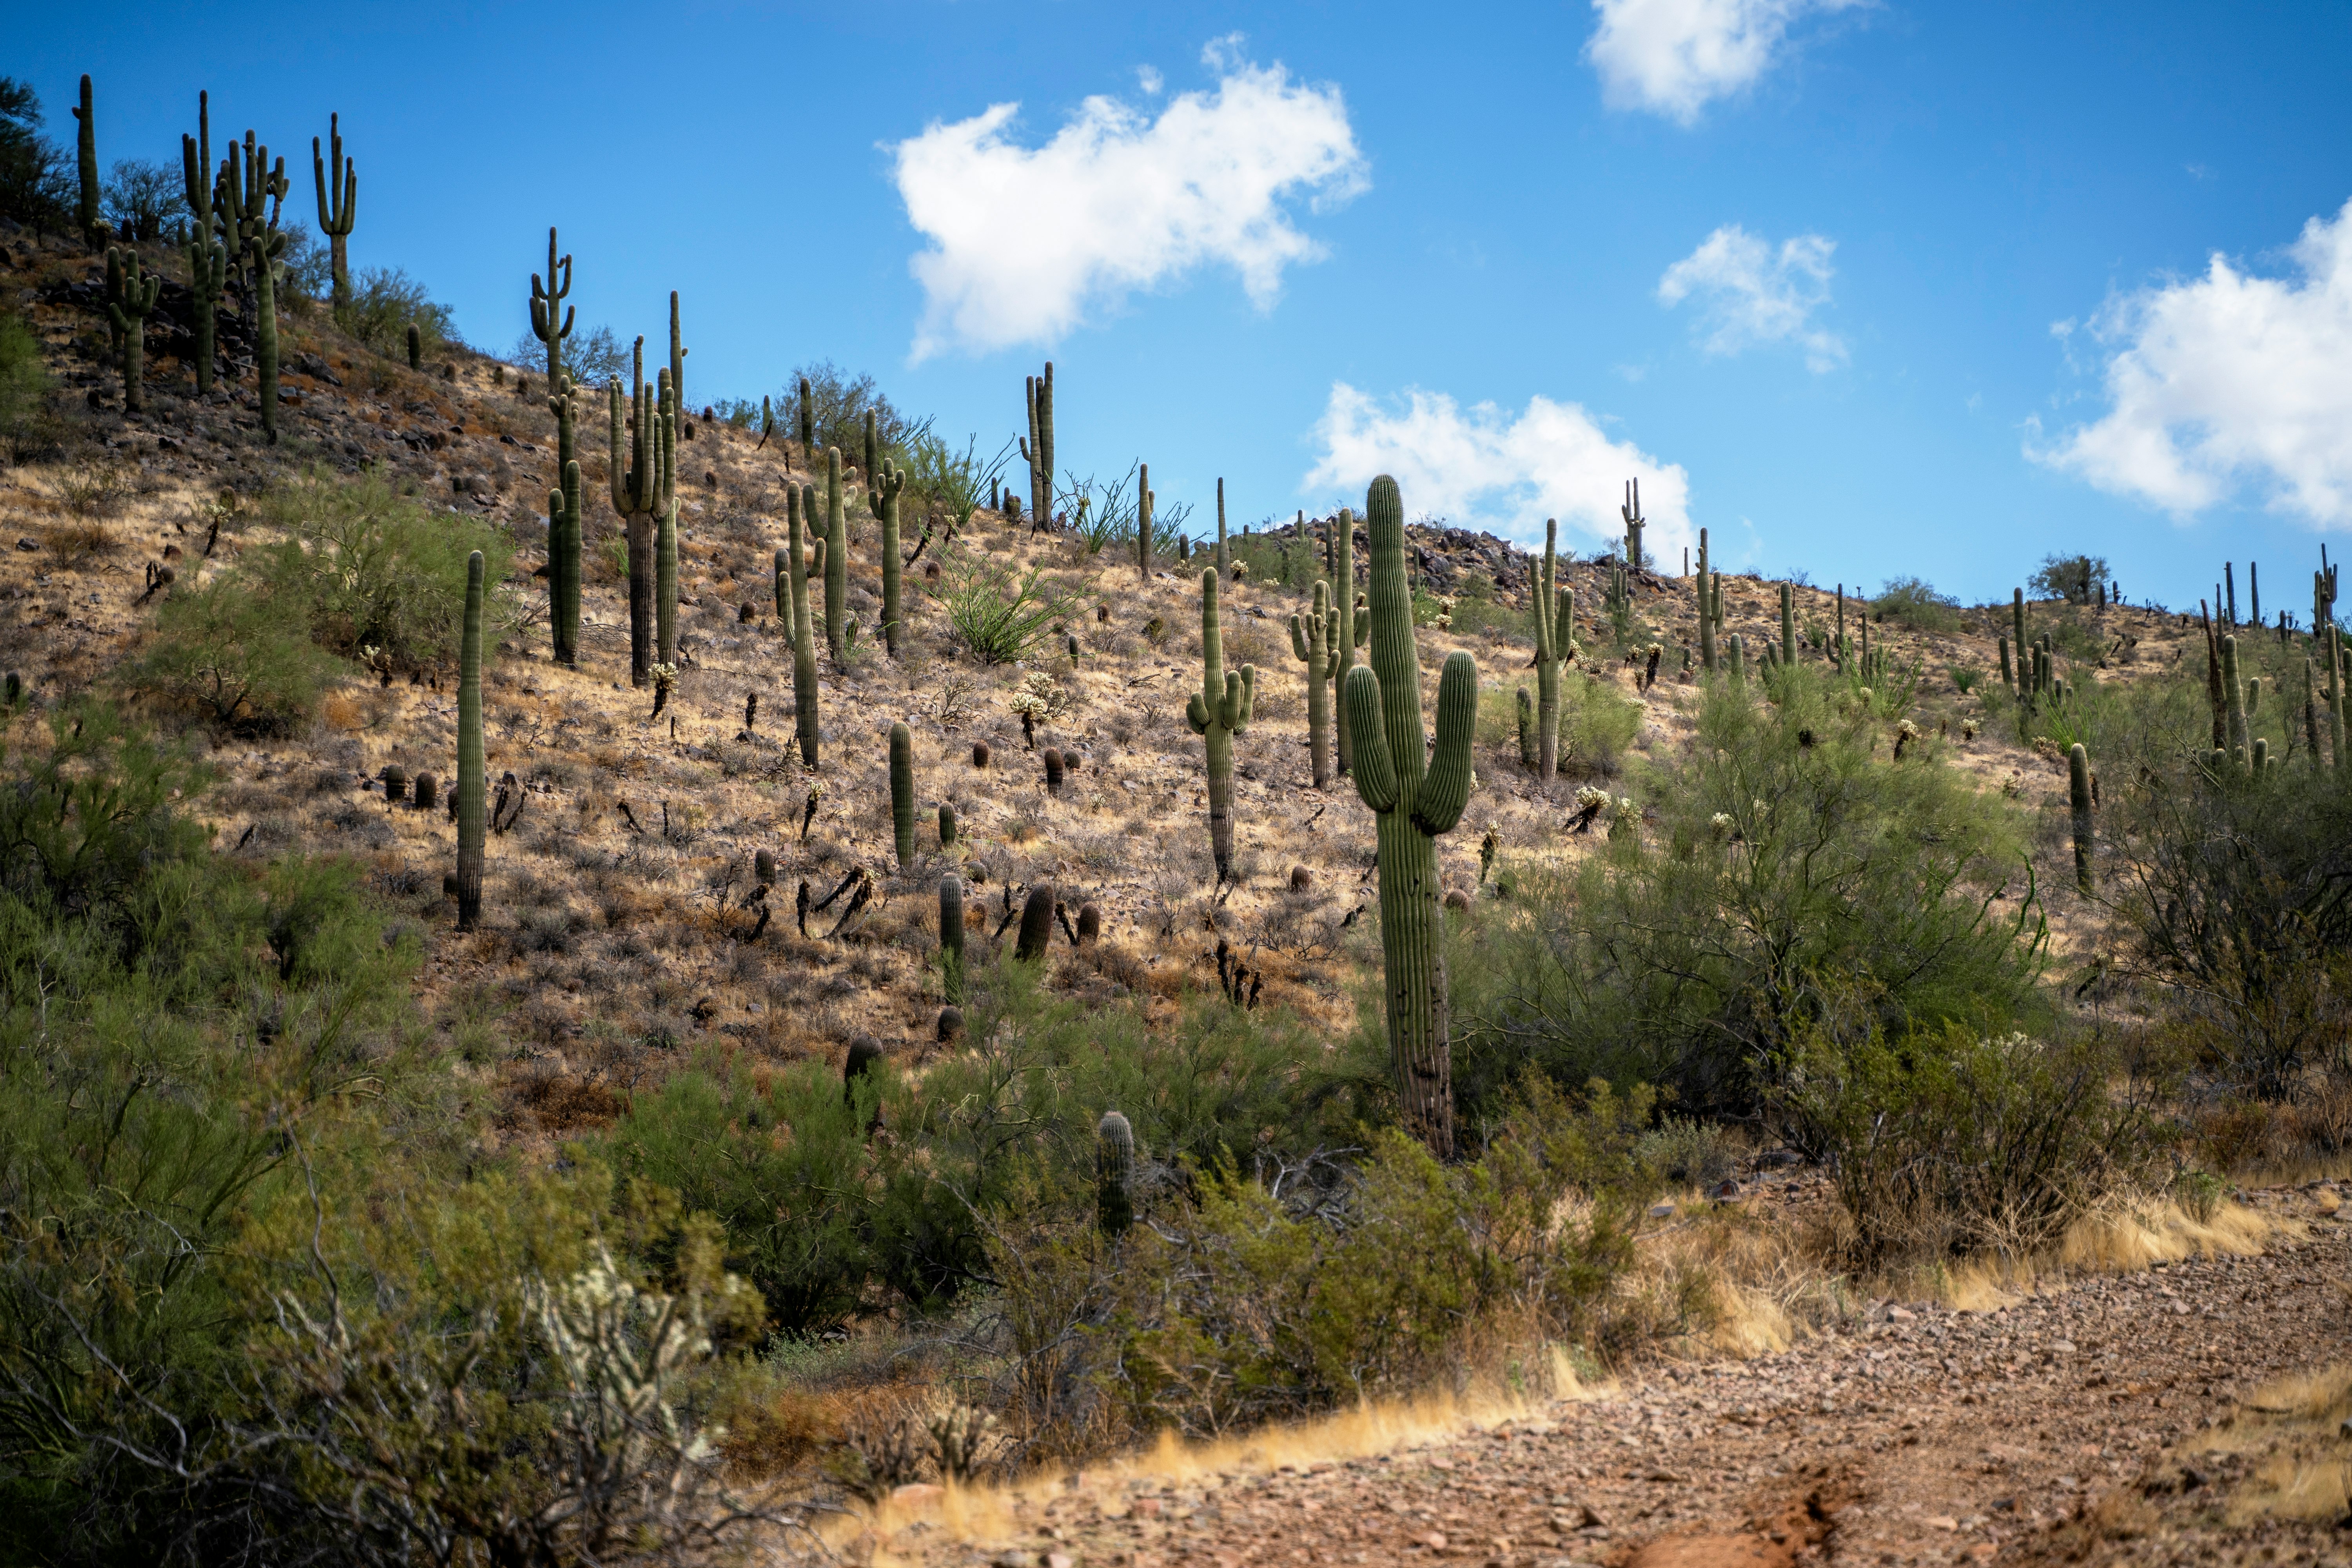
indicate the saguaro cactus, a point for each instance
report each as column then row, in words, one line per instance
column 338, row 183
column 784, row 580
column 808, row 425
column 1631, row 510
column 129, row 297
column 1143, row 498
column 1037, row 447
column 1217, row 713
column 677, row 353
column 1788, row 624
column 951, row 937
column 1225, row 550
column 1348, row 628
column 545, row 296
column 2335, row 698
column 1310, row 641
column 902, row 794
column 2233, row 695
column 666, row 533
column 836, row 558
column 245, row 205
column 2078, row 797
column 799, row 504
column 1707, row 593
column 644, row 487
column 2017, row 630
column 1415, row 795
column 416, row 348
column 563, row 528
column 1528, row 755
column 1555, row 630
column 1036, row 925
column 86, row 141
column 207, row 259
column 473, row 782
column 1113, row 1176
column 882, row 499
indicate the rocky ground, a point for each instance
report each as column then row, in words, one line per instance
column 2149, row 1416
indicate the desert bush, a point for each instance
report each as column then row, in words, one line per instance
column 838, row 403
column 229, row 652
column 2068, row 577
column 947, row 482
column 998, row 614
column 366, row 567
column 27, row 428
column 1787, row 856
column 1948, row 1142
column 1913, row 602
column 98, row 488
column 385, row 302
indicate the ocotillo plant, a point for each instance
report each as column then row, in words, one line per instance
column 207, row 259
column 85, row 140
column 2234, row 696
column 1037, row 447
column 902, row 794
column 665, row 531
column 882, row 499
column 799, row 502
column 1143, row 498
column 563, row 528
column 1348, row 628
column 473, row 782
column 1631, row 512
column 1555, row 634
column 1225, row 550
column 1113, row 1176
column 1217, row 713
column 1706, row 603
column 339, row 203
column 1036, row 925
column 1415, row 795
column 129, row 297
column 1310, row 641
column 644, row 486
column 545, row 296
column 951, row 937
column 677, row 353
column 837, row 558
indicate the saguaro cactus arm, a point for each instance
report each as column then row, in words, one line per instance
column 545, row 296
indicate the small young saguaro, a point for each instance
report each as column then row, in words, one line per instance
column 1555, row 636
column 902, row 794
column 1310, row 641
column 951, row 937
column 2078, row 798
column 800, row 509
column 1113, row 1176
column 1217, row 713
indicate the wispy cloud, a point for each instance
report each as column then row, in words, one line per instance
column 1750, row 293
column 1672, row 56
column 2228, row 379
column 1121, row 201
column 1488, row 467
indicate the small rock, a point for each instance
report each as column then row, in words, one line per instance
column 1662, row 1211
column 26, row 544
column 915, row 1494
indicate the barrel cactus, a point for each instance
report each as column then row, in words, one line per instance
column 1217, row 713
column 1036, row 925
column 1415, row 795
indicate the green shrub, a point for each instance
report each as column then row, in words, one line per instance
column 1788, row 855
column 1597, row 723
column 1946, row 1142
column 2068, row 577
column 1913, row 602
column 385, row 302
column 949, row 483
column 837, row 405
column 232, row 654
column 27, row 428
column 366, row 567
column 998, row 616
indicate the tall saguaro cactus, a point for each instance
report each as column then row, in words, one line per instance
column 85, row 140
column 644, row 447
column 207, row 259
column 1415, row 793
column 1037, row 447
column 882, row 499
column 2336, row 702
column 1631, row 510
column 1143, row 498
column 2234, row 696
column 666, row 533
column 1788, row 624
column 1225, row 550
column 951, row 938
column 545, row 296
column 338, row 183
column 1311, row 637
column 836, row 558
column 677, row 353
column 246, row 207
column 1217, row 713
column 1555, row 630
column 1707, row 592
column 1346, row 629
column 800, row 507
column 563, row 527
column 129, row 299
column 473, row 784
column 2078, row 798
column 902, row 794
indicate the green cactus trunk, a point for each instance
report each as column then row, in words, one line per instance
column 1310, row 642
column 1038, row 448
column 2311, row 713
column 338, row 184
column 2336, row 702
column 677, row 353
column 86, row 147
column 1346, row 635
column 1217, row 713
column 1225, row 550
column 129, row 297
column 836, row 558
column 798, row 506
column 1555, row 634
column 882, row 498
column 1036, row 925
column 545, row 296
column 902, row 794
column 1528, row 755
column 2233, row 697
column 2078, row 797
column 2017, row 628
column 1113, row 1176
column 1416, row 794
column 416, row 348
column 1706, row 608
column 1788, row 624
column 563, row 529
column 1631, row 510
column 644, row 488
column 472, row 768
column 951, row 938
column 1143, row 521
column 207, row 260
column 784, row 580
column 265, row 340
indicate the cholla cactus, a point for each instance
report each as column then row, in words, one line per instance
column 665, row 682
column 1721, row 824
column 1589, row 798
column 1906, row 733
column 1031, row 706
column 1445, row 622
column 1052, row 693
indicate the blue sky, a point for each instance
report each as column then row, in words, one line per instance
column 1864, row 289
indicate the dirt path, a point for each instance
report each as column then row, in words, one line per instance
column 2091, row 1424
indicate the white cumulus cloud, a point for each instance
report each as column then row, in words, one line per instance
column 1672, row 57
column 1750, row 293
column 1027, row 242
column 2226, row 380
column 1488, row 467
